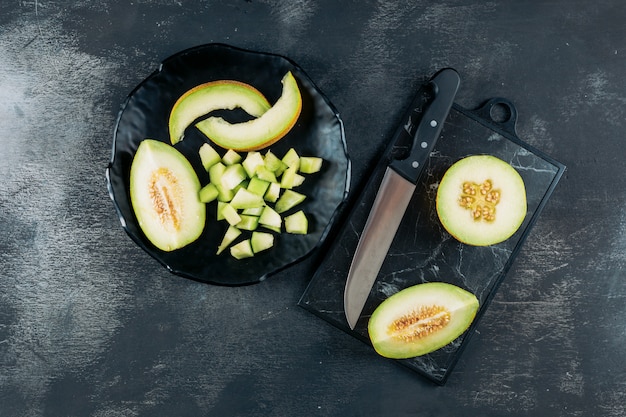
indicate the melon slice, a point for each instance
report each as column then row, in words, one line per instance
column 262, row 131
column 214, row 95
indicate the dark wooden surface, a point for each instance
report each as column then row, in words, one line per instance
column 91, row 326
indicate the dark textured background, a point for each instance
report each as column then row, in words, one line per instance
column 92, row 326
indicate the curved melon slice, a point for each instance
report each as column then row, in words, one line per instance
column 164, row 194
column 264, row 130
column 421, row 319
column 214, row 95
column 481, row 200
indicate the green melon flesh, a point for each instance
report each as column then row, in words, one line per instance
column 461, row 218
column 421, row 319
column 214, row 95
column 262, row 131
column 164, row 192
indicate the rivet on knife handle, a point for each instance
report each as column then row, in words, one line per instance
column 394, row 195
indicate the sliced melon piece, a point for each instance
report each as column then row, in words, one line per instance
column 248, row 222
column 310, row 164
column 264, row 130
column 265, row 174
column 164, row 191
column 231, row 157
column 231, row 234
column 421, row 319
column 230, row 214
column 273, row 163
column 208, row 156
column 271, row 219
column 242, row 250
column 252, row 161
column 288, row 200
column 244, row 199
column 481, row 200
column 273, row 192
column 208, row 193
column 261, row 241
column 232, row 176
column 297, row 223
column 216, row 172
column 291, row 158
column 291, row 178
column 214, row 95
column 258, row 186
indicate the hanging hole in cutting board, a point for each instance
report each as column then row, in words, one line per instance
column 501, row 112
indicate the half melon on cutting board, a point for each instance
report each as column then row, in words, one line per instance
column 481, row 200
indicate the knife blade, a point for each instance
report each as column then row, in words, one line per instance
column 394, row 194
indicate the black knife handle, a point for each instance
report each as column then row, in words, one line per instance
column 445, row 84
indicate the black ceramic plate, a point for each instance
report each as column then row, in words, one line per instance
column 318, row 132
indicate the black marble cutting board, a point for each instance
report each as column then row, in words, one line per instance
column 422, row 250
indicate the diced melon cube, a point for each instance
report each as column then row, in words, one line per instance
column 242, row 250
column 291, row 178
column 269, row 217
column 273, row 163
column 292, row 158
column 215, row 176
column 297, row 223
column 208, row 156
column 232, row 176
column 288, row 200
column 248, row 222
column 231, row 234
column 244, row 199
column 208, row 193
column 258, row 186
column 253, row 160
column 231, row 157
column 272, row 193
column 224, row 194
column 261, row 241
column 265, row 174
column 310, row 164
column 215, row 173
column 231, row 215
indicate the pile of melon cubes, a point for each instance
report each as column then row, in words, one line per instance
column 255, row 194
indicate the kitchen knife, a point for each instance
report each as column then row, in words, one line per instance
column 394, row 194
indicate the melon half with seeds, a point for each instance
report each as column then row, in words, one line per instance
column 481, row 200
column 421, row 319
column 164, row 192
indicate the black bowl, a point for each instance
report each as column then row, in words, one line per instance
column 318, row 132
